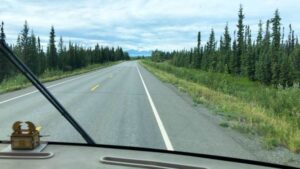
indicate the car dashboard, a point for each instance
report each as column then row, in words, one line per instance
column 78, row 156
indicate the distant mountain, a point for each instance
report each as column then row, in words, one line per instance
column 135, row 53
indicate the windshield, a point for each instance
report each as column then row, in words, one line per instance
column 210, row 77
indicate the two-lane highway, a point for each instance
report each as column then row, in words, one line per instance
column 122, row 105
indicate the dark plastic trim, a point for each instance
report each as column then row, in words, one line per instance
column 207, row 156
column 145, row 163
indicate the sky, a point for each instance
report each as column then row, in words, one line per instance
column 139, row 26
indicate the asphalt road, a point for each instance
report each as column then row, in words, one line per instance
column 122, row 105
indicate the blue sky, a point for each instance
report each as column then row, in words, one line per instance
column 139, row 26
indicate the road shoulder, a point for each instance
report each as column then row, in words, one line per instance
column 251, row 144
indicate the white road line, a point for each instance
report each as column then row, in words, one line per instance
column 14, row 98
column 159, row 122
column 49, row 87
column 35, row 91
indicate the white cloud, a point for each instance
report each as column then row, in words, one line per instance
column 139, row 24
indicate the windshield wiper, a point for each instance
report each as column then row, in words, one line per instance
column 34, row 80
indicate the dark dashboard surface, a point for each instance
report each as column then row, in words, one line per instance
column 72, row 156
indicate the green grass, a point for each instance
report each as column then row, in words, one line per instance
column 249, row 107
column 19, row 81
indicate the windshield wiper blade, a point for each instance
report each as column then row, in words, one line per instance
column 34, row 80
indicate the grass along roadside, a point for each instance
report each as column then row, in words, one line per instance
column 19, row 81
column 247, row 106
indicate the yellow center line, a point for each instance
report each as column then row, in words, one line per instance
column 95, row 87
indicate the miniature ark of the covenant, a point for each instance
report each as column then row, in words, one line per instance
column 24, row 139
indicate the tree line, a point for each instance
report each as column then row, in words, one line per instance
column 61, row 56
column 270, row 58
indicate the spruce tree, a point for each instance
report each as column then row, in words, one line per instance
column 2, row 34
column 122, row 54
column 198, row 52
column 245, row 54
column 3, row 64
column 41, row 55
column 33, row 59
column 227, row 48
column 275, row 52
column 233, row 57
column 259, row 53
column 211, row 47
column 71, row 53
column 260, row 33
column 287, row 71
column 240, row 42
column 251, row 57
column 98, row 58
column 52, row 53
column 61, row 55
column 220, row 57
column 282, row 39
column 291, row 41
column 199, row 40
column 24, row 43
column 267, row 63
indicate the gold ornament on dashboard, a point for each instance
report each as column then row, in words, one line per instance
column 24, row 139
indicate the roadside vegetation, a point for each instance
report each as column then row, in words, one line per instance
column 247, row 106
column 252, row 82
column 270, row 58
column 54, row 60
